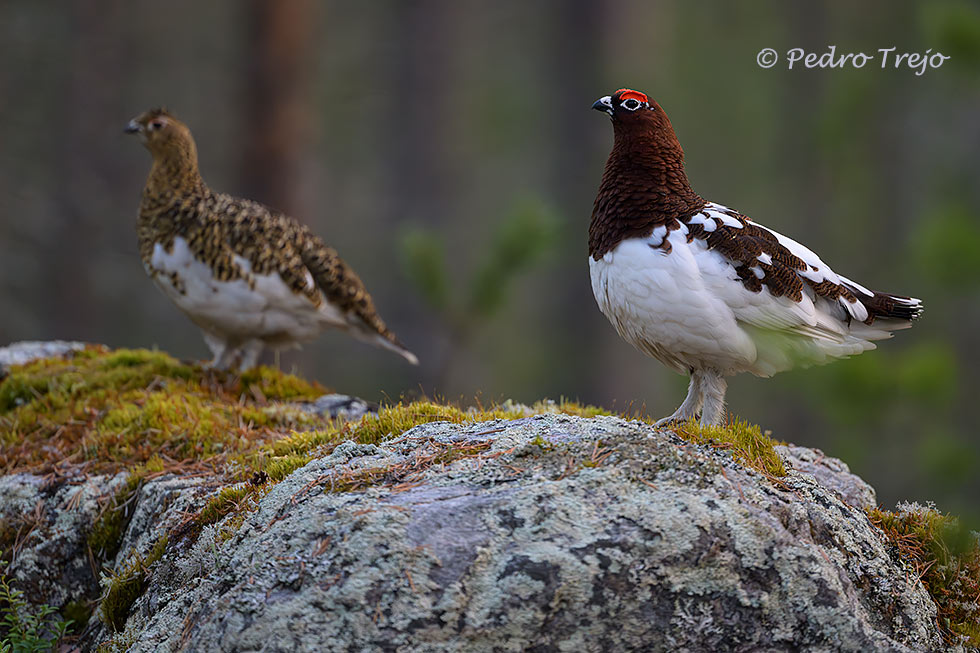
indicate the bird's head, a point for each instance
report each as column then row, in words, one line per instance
column 626, row 105
column 161, row 133
column 640, row 125
column 633, row 112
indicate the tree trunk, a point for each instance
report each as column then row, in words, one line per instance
column 277, row 107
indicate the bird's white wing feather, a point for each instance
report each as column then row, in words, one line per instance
column 817, row 271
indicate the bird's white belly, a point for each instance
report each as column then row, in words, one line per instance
column 659, row 302
column 266, row 309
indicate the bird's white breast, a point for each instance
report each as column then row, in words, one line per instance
column 255, row 306
column 666, row 304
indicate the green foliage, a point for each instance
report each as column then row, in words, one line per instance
column 78, row 613
column 924, row 374
column 953, row 28
column 946, row 556
column 518, row 243
column 25, row 628
column 947, row 457
column 947, row 251
column 424, row 260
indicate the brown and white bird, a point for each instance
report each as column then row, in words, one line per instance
column 701, row 287
column 248, row 276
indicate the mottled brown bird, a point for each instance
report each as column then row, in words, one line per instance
column 702, row 288
column 248, row 276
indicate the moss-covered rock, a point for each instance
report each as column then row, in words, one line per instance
column 228, row 506
column 110, row 410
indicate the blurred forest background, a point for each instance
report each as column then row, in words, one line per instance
column 448, row 150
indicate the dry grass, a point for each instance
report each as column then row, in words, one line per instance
column 946, row 557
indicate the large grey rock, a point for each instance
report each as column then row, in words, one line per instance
column 831, row 473
column 564, row 534
column 46, row 526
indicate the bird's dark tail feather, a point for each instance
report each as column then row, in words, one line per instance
column 886, row 306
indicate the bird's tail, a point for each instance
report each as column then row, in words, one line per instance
column 396, row 347
column 376, row 333
column 885, row 306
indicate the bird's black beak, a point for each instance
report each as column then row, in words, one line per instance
column 132, row 127
column 604, row 104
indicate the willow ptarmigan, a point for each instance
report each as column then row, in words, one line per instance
column 702, row 288
column 246, row 275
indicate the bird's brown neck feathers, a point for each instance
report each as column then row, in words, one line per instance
column 644, row 184
column 173, row 189
column 174, row 172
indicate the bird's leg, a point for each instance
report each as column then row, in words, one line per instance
column 225, row 360
column 713, row 386
column 250, row 354
column 222, row 350
column 691, row 405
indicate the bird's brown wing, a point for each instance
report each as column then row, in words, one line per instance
column 272, row 241
column 340, row 284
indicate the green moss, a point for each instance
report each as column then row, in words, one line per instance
column 389, row 422
column 127, row 586
column 140, row 409
column 107, row 531
column 154, row 465
column 392, row 421
column 114, row 409
column 574, row 408
column 542, row 444
column 946, row 556
column 273, row 384
column 746, row 442
column 301, row 442
column 234, row 502
column 282, row 466
column 229, row 499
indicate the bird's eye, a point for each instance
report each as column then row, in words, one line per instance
column 156, row 124
column 631, row 104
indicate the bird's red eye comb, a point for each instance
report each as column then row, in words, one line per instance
column 626, row 94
